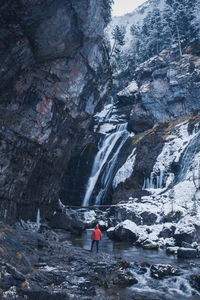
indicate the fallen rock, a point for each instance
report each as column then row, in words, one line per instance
column 187, row 253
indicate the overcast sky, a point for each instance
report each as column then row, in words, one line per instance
column 121, row 7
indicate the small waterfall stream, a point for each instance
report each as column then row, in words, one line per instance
column 103, row 159
column 186, row 161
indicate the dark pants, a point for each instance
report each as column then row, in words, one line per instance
column 97, row 245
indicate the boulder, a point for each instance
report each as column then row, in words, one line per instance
column 195, row 282
column 187, row 253
column 184, row 234
column 172, row 250
column 68, row 221
column 167, row 232
column 186, row 245
column 124, row 231
column 160, row 271
column 150, row 245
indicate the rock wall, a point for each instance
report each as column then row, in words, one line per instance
column 54, row 72
column 164, row 87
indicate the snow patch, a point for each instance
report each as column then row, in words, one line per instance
column 126, row 170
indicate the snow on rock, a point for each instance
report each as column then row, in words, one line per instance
column 126, row 170
column 174, row 146
column 129, row 90
column 89, row 217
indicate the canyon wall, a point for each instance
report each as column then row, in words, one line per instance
column 54, row 73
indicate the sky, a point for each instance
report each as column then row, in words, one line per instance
column 121, row 7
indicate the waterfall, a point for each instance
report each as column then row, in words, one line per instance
column 149, row 183
column 103, row 158
column 186, row 160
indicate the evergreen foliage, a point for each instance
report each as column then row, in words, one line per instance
column 172, row 28
column 118, row 35
column 108, row 7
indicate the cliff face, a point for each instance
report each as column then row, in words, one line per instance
column 160, row 105
column 54, row 72
column 163, row 88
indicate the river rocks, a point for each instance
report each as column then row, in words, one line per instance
column 138, row 213
column 187, row 253
column 149, row 245
column 186, row 234
column 57, row 270
column 172, row 250
column 160, row 271
column 125, row 231
column 195, row 281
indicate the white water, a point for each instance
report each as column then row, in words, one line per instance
column 149, row 182
column 38, row 219
column 101, row 159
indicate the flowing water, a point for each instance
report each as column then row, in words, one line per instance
column 106, row 160
column 169, row 288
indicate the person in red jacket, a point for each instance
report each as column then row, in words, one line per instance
column 95, row 237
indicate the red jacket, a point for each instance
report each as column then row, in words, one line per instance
column 96, row 234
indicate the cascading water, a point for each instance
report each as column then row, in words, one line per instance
column 191, row 150
column 155, row 181
column 103, row 158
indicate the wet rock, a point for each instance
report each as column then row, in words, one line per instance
column 187, row 253
column 172, row 250
column 60, row 271
column 160, row 271
column 195, row 282
column 42, row 294
column 149, row 245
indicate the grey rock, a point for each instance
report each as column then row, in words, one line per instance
column 187, row 253
column 52, row 58
column 68, row 221
column 160, row 271
column 186, row 245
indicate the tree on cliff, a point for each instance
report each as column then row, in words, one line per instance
column 164, row 28
column 118, row 35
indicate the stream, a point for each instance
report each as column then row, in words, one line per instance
column 175, row 287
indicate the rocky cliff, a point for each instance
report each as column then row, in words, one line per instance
column 54, row 73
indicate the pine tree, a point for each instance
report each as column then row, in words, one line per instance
column 118, row 35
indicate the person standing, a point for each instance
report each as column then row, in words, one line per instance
column 96, row 237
